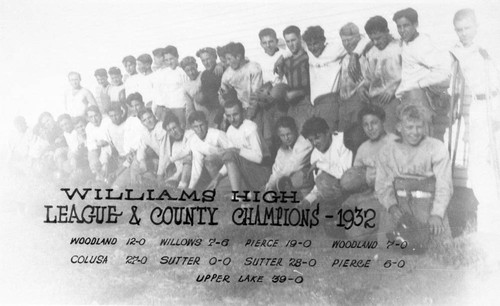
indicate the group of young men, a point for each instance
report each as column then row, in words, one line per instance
column 357, row 124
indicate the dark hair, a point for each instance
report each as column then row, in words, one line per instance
column 159, row 52
column 292, row 30
column 143, row 111
column 101, row 72
column 286, row 122
column 234, row 49
column 145, row 58
column 463, row 14
column 62, row 117
column 187, row 61
column 208, row 50
column 128, row 58
column 169, row 118
column 134, row 96
column 407, row 13
column 376, row 24
column 197, row 116
column 232, row 103
column 371, row 109
column 267, row 32
column 79, row 119
column 115, row 107
column 314, row 126
column 93, row 108
column 412, row 111
column 114, row 71
column 314, row 33
column 171, row 50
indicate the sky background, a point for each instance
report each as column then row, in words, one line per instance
column 41, row 41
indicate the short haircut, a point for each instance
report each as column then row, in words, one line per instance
column 314, row 33
column 63, row 117
column 314, row 126
column 376, row 24
column 463, row 14
column 292, row 30
column 349, row 29
column 371, row 109
column 208, row 50
column 197, row 116
column 234, row 49
column 128, row 59
column 286, row 122
column 169, row 118
column 267, row 32
column 145, row 58
column 74, row 73
column 114, row 71
column 115, row 107
column 159, row 52
column 221, row 52
column 407, row 13
column 94, row 109
column 144, row 111
column 101, row 72
column 187, row 61
column 79, row 119
column 171, row 50
column 134, row 96
column 411, row 111
column 232, row 103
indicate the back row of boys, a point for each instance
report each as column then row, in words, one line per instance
column 372, row 81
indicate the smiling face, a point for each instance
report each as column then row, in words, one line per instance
column 208, row 60
column 373, row 127
column 234, row 61
column 406, row 29
column 316, row 46
column 411, row 130
column 466, row 30
column 350, row 42
column 191, row 71
column 94, row 118
column 116, row 79
column 380, row 39
column 269, row 44
column 171, row 61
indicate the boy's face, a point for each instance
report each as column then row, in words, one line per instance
column 148, row 120
column 234, row 115
column 74, row 81
column 116, row 79
column 269, row 44
column 411, row 130
column 66, row 125
column 380, row 39
column 80, row 128
column 350, row 42
column 191, row 71
column 175, row 131
column 293, row 43
column 171, row 61
column 143, row 67
column 466, row 30
column 159, row 60
column 321, row 141
column 115, row 116
column 406, row 29
column 233, row 61
column 136, row 106
column 102, row 80
column 373, row 127
column 130, row 67
column 287, row 136
column 94, row 118
column 200, row 128
column 208, row 60
column 316, row 46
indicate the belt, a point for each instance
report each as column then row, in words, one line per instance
column 484, row 96
column 417, row 194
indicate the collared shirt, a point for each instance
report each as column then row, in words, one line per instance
column 291, row 159
column 382, row 69
column 246, row 80
column 296, row 69
column 335, row 161
column 347, row 85
column 367, row 156
column 153, row 139
column 422, row 64
column 168, row 86
column 429, row 158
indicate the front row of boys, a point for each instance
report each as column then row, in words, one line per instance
column 389, row 173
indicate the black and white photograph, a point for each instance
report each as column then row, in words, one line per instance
column 166, row 152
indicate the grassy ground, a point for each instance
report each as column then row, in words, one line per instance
column 37, row 268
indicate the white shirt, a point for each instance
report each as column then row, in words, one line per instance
column 422, row 64
column 335, row 161
column 266, row 63
column 153, row 139
column 142, row 84
column 169, row 88
column 97, row 133
column 245, row 80
column 170, row 150
column 126, row 137
column 290, row 160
